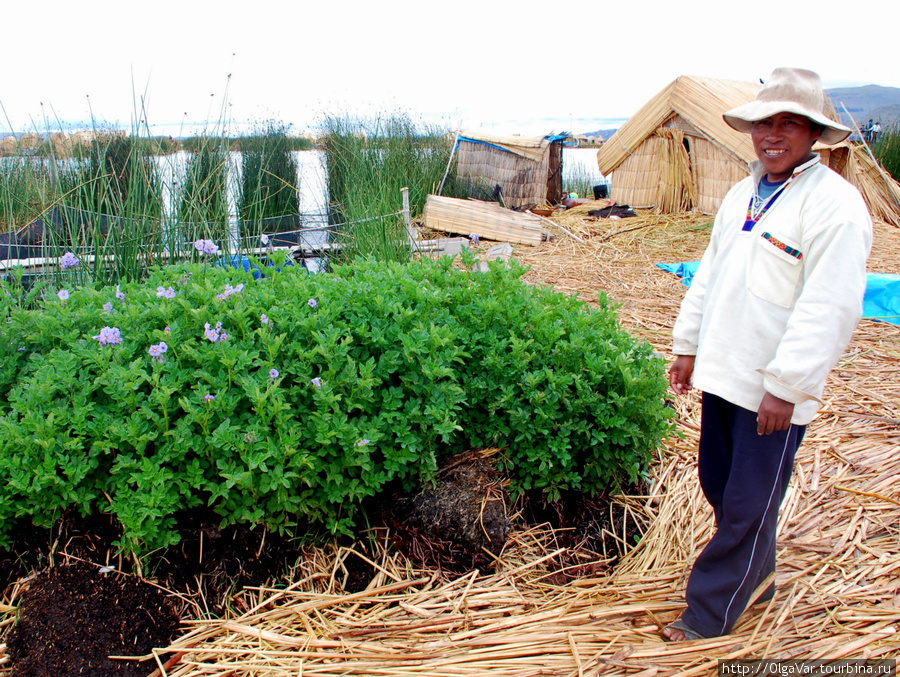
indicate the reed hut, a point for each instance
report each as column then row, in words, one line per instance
column 677, row 154
column 528, row 170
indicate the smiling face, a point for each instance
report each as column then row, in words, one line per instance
column 783, row 142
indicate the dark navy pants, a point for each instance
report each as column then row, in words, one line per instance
column 744, row 476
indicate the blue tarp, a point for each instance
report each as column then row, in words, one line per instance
column 683, row 270
column 882, row 300
column 237, row 262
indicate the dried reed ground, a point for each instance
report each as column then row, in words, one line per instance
column 838, row 555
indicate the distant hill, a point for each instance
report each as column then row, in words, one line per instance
column 887, row 115
column 864, row 103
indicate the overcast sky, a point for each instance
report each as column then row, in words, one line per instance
column 518, row 67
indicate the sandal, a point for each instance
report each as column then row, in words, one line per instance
column 689, row 633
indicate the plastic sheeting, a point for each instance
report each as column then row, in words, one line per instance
column 683, row 270
column 881, row 303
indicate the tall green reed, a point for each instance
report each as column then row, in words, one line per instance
column 111, row 209
column 105, row 202
column 580, row 180
column 269, row 182
column 369, row 163
column 203, row 200
column 887, row 150
column 25, row 191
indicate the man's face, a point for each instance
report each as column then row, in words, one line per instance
column 783, row 142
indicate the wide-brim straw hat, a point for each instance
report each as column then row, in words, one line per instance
column 789, row 90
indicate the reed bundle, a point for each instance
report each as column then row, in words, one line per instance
column 676, row 187
column 839, row 534
column 488, row 219
column 880, row 191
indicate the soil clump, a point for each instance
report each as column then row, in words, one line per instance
column 75, row 617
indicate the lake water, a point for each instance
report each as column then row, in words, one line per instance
column 312, row 177
column 582, row 163
column 311, row 180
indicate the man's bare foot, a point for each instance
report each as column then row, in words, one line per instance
column 679, row 631
column 673, row 634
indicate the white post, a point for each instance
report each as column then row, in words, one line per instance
column 410, row 231
column 449, row 162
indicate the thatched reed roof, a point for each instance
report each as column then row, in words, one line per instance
column 529, row 147
column 698, row 101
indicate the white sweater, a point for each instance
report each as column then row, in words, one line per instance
column 767, row 318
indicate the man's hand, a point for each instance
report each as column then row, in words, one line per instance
column 774, row 414
column 680, row 374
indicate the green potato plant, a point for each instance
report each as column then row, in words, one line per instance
column 282, row 398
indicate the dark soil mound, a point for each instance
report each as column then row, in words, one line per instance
column 122, row 615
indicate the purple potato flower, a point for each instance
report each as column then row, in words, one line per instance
column 119, row 294
column 208, row 397
column 68, row 260
column 63, row 295
column 363, row 442
column 214, row 334
column 475, row 238
column 229, row 290
column 108, row 336
column 163, row 293
column 206, row 247
column 273, row 374
column 156, row 351
column 312, row 303
column 107, row 307
column 317, row 382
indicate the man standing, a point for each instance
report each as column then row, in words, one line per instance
column 867, row 131
column 770, row 310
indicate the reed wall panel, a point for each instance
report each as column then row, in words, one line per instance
column 714, row 173
column 523, row 182
column 635, row 181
